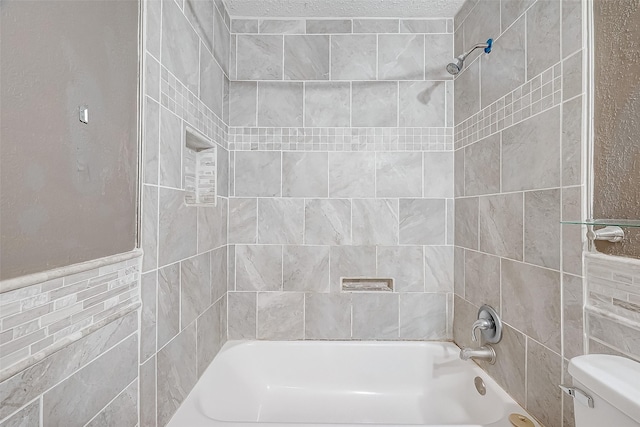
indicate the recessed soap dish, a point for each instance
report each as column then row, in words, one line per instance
column 366, row 284
column 200, row 169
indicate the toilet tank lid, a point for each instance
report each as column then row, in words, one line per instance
column 615, row 379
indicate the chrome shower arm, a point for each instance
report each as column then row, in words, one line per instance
column 478, row 46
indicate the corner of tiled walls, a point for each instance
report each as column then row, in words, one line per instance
column 518, row 156
column 184, row 280
column 341, row 144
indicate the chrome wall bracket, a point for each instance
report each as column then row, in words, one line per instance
column 610, row 233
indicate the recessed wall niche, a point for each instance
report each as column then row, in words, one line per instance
column 199, row 169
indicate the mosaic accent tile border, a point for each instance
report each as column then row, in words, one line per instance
column 539, row 94
column 36, row 317
column 175, row 97
column 341, row 139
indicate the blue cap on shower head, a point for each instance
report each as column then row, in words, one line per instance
column 488, row 48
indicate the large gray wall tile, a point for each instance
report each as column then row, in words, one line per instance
column 280, row 315
column 375, row 316
column 466, row 222
column 327, row 222
column 423, row 316
column 260, row 57
column 122, row 411
column 467, row 92
column 280, row 221
column 305, row 174
column 351, row 261
column 353, row 57
column 422, row 221
column 501, row 225
column 306, row 57
column 438, row 53
column 195, row 287
column 242, row 315
column 243, row 220
column 482, row 279
column 178, row 227
column 543, row 36
column 257, row 173
column 221, row 41
column 258, row 268
column 422, row 104
column 243, row 103
column 375, row 222
column 482, row 167
column 398, row 174
column 327, row 316
column 544, row 373
column 327, row 104
column 438, row 174
column 280, row 104
column 351, row 174
column 401, row 57
column 180, row 46
column 438, row 268
column 168, row 303
column 374, row 104
column 403, row 264
column 542, row 228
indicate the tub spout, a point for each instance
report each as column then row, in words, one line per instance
column 485, row 352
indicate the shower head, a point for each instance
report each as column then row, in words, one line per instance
column 456, row 66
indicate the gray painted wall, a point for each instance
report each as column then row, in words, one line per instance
column 68, row 190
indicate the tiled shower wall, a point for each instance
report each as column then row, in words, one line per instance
column 184, row 280
column 518, row 156
column 342, row 166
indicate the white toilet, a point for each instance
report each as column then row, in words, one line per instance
column 606, row 391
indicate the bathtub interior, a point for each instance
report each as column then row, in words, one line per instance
column 346, row 383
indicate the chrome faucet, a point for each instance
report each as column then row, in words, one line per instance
column 485, row 352
column 483, row 325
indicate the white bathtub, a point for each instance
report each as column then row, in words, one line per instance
column 332, row 383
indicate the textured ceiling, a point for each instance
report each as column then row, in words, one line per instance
column 344, row 8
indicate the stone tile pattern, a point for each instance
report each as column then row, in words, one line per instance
column 517, row 175
column 613, row 304
column 184, row 271
column 91, row 381
column 539, row 94
column 341, row 139
column 37, row 317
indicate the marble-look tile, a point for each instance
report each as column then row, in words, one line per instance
column 327, row 316
column 438, row 52
column 501, row 225
column 375, row 221
column 438, row 268
column 212, row 225
column 148, row 314
column 535, row 142
column 375, row 316
column 242, row 315
column 509, row 369
column 482, row 279
column 151, row 140
column 211, row 334
column 422, row 221
column 178, row 227
column 467, row 92
column 375, row 25
column 353, row 57
column 243, row 220
column 398, row 174
column 327, row 222
column 153, row 25
column 29, row 416
column 568, row 416
column 327, row 104
column 280, row 315
column 231, row 267
column 180, row 46
column 504, row 69
column 351, row 261
column 542, row 228
column 149, row 231
column 280, row 221
column 258, row 268
column 177, row 373
column 482, row 167
column 423, row 26
column 374, row 104
column 438, row 174
column 200, row 15
column 122, row 411
column 351, row 174
column 572, row 76
column 257, row 173
column 259, row 57
column 573, row 243
column 403, row 264
column 280, row 104
column 512, row 10
column 328, row 26
column 221, row 42
column 28, row 384
column 80, row 397
column 233, row 57
column 449, row 101
column 572, row 142
column 170, row 156
column 544, row 373
column 282, row 26
column 573, row 316
column 223, row 172
column 305, row 174
column 423, row 317
column 543, row 36
column 458, row 271
column 306, row 268
column 458, row 172
column 620, row 337
column 465, row 314
column 422, row 104
column 571, row 26
column 306, row 57
column 535, row 291
column 482, row 23
column 211, row 82
column 148, row 393
column 248, row 26
column 195, row 287
column 168, row 308
column 401, row 57
column 219, row 272
column 243, row 97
